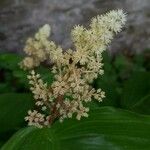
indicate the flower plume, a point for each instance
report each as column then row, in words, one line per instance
column 73, row 70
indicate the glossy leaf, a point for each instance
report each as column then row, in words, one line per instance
column 13, row 109
column 105, row 129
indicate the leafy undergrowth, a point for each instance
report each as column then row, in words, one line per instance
column 120, row 122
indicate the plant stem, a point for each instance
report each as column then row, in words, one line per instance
column 55, row 112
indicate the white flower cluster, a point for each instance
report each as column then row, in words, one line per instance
column 40, row 49
column 73, row 70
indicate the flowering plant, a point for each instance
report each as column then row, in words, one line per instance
column 74, row 69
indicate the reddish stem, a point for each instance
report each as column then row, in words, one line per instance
column 54, row 111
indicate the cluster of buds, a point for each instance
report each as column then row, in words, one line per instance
column 74, row 70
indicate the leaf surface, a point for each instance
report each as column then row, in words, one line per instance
column 105, row 129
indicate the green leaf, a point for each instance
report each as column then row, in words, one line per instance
column 21, row 76
column 5, row 87
column 13, row 109
column 1, row 143
column 10, row 61
column 105, row 129
column 106, row 57
column 139, row 60
column 110, row 88
column 108, row 83
column 135, row 89
column 123, row 67
column 46, row 74
column 121, row 62
column 142, row 106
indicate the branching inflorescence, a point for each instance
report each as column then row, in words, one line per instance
column 73, row 70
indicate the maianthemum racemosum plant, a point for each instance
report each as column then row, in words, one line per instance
column 73, row 70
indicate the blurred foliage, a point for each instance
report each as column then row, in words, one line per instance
column 116, row 123
column 14, row 79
